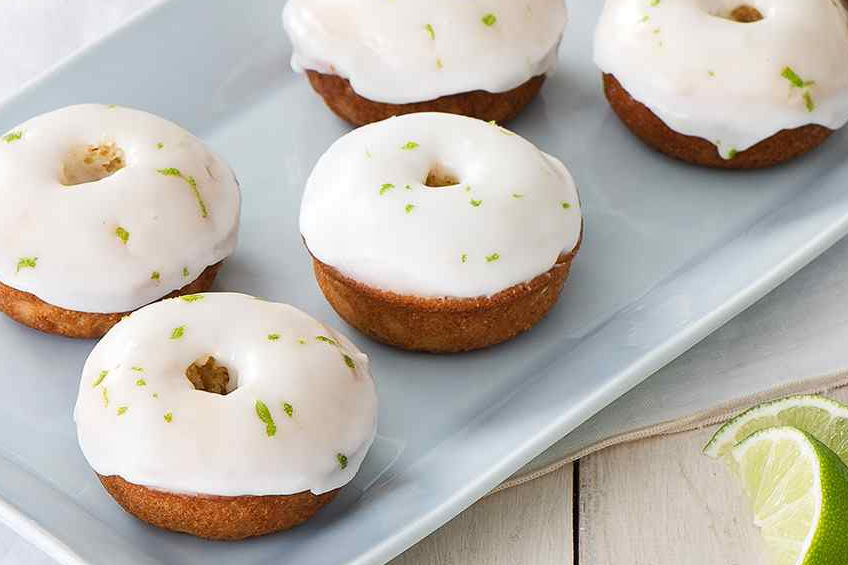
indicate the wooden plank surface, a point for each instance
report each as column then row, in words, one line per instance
column 530, row 524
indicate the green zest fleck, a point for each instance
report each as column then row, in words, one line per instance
column 273, row 337
column 489, row 20
column 185, row 271
column 160, row 145
column 99, row 379
column 288, row 409
column 155, row 395
column 808, row 101
column 26, row 263
column 475, row 203
column 105, row 393
column 13, row 136
column 169, row 417
column 301, row 341
column 122, row 410
column 517, row 195
column 178, row 333
column 439, row 64
column 732, row 153
column 140, row 382
column 154, row 276
column 711, row 73
column 792, row 77
column 410, row 145
column 349, row 362
column 431, row 31
column 464, row 258
column 138, row 369
column 172, row 172
column 644, row 19
column 122, row 234
column 493, row 257
column 342, row 460
column 385, row 188
column 654, row 3
column 566, row 205
column 326, row 339
column 408, row 187
column 191, row 297
column 409, row 208
column 265, row 415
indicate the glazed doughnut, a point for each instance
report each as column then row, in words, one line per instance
column 370, row 61
column 723, row 83
column 106, row 209
column 225, row 416
column 440, row 233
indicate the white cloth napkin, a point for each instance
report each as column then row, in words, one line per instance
column 798, row 330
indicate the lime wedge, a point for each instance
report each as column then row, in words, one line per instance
column 799, row 490
column 824, row 419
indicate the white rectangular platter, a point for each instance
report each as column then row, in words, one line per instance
column 671, row 252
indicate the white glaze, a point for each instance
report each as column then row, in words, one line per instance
column 348, row 224
column 390, row 55
column 714, row 78
column 217, row 444
column 81, row 263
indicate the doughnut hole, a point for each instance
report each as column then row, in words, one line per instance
column 746, row 14
column 209, row 376
column 440, row 176
column 91, row 163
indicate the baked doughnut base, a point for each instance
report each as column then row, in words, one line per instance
column 443, row 325
column 488, row 106
column 228, row 518
column 648, row 127
column 31, row 311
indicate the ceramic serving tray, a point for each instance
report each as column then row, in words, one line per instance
column 670, row 253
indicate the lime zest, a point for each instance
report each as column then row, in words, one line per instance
column 475, row 203
column 26, row 263
column 155, row 276
column 265, row 416
column 493, row 257
column 808, row 101
column 565, row 205
column 105, row 393
column 185, row 271
column 341, row 458
column 517, row 195
column 169, row 417
column 654, row 3
column 273, row 337
column 790, row 75
column 489, row 20
column 431, row 31
column 349, row 361
column 192, row 297
column 137, row 369
column 385, row 188
column 99, row 379
column 160, row 145
column 178, row 333
column 326, row 339
column 174, row 172
column 140, row 382
column 288, row 409
column 122, row 234
column 13, row 136
column 464, row 258
column 122, row 410
column 409, row 208
column 409, row 145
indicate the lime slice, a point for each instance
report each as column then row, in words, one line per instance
column 799, row 490
column 824, row 419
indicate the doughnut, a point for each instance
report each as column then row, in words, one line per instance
column 107, row 209
column 224, row 416
column 440, row 233
column 370, row 61
column 724, row 83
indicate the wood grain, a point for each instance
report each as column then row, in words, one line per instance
column 530, row 524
